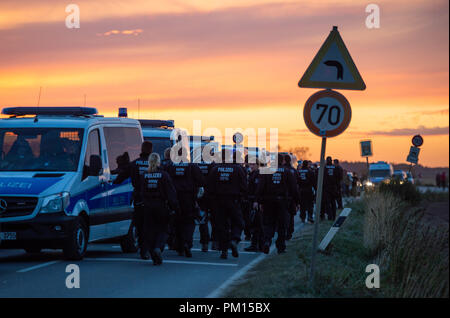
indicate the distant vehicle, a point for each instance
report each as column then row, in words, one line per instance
column 400, row 175
column 379, row 172
column 56, row 168
column 410, row 177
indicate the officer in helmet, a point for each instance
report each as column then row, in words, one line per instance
column 227, row 184
column 307, row 184
column 292, row 208
column 160, row 200
column 273, row 193
column 330, row 187
column 187, row 179
column 205, row 209
column 134, row 170
column 256, row 226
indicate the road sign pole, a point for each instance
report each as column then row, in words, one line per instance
column 317, row 211
column 367, row 162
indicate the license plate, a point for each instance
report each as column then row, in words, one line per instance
column 8, row 236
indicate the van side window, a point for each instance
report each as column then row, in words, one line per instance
column 93, row 148
column 123, row 144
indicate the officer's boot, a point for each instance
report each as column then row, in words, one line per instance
column 157, row 257
column 205, row 247
column 234, row 249
column 187, row 250
column 224, row 254
column 254, row 246
column 266, row 247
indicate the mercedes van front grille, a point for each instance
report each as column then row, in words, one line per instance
column 17, row 206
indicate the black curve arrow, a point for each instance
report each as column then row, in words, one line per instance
column 338, row 65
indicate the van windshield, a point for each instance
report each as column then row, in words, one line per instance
column 40, row 149
column 380, row 173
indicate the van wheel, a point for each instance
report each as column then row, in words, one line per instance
column 129, row 242
column 32, row 250
column 76, row 244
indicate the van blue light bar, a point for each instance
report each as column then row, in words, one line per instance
column 75, row 111
column 156, row 123
column 202, row 138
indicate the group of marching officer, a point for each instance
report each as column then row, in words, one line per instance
column 170, row 198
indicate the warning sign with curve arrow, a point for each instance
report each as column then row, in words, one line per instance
column 333, row 67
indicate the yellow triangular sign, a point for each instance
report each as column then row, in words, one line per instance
column 333, row 67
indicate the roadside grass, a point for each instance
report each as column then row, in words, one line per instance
column 412, row 254
column 340, row 272
column 386, row 227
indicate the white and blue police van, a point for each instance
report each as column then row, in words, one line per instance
column 57, row 165
column 379, row 172
column 162, row 134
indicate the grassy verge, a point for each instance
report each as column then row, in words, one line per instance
column 387, row 228
column 339, row 273
column 411, row 252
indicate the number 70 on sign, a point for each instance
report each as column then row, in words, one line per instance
column 327, row 113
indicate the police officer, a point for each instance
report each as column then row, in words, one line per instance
column 247, row 205
column 330, row 182
column 227, row 184
column 134, row 169
column 273, row 193
column 340, row 179
column 292, row 208
column 187, row 179
column 307, row 184
column 160, row 202
column 256, row 225
column 205, row 206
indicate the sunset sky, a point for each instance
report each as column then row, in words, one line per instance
column 236, row 64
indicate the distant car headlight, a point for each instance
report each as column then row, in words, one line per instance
column 368, row 184
column 55, row 203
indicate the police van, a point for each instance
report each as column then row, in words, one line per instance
column 379, row 172
column 161, row 133
column 57, row 165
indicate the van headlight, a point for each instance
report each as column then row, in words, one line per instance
column 55, row 203
column 368, row 184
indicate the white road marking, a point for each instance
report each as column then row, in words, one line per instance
column 37, row 266
column 164, row 261
column 221, row 289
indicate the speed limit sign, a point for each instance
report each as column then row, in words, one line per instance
column 327, row 113
column 417, row 140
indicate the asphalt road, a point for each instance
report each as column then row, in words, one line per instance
column 107, row 272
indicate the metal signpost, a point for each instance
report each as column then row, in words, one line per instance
column 366, row 151
column 327, row 113
column 414, row 151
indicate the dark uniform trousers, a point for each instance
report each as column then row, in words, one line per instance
column 204, row 227
column 228, row 219
column 257, row 230
column 156, row 222
column 138, row 220
column 184, row 221
column 306, row 204
column 291, row 214
column 276, row 218
column 329, row 203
